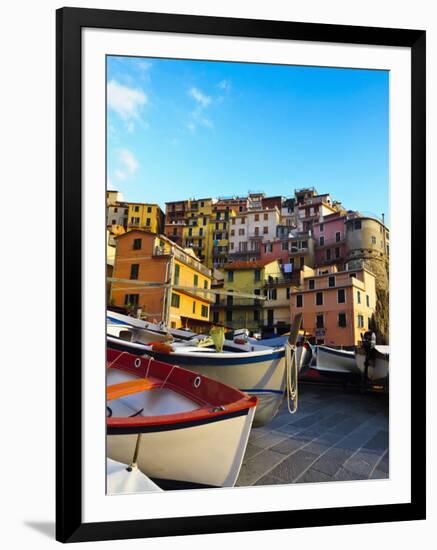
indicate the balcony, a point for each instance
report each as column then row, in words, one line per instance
column 247, row 254
column 237, row 303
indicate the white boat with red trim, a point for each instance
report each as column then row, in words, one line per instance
column 193, row 430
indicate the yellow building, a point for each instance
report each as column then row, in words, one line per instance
column 198, row 231
column 220, row 221
column 145, row 216
column 143, row 257
column 247, row 278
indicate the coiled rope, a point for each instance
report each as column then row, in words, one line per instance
column 292, row 372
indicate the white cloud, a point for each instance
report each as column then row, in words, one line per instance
column 224, row 85
column 109, row 185
column 128, row 161
column 200, row 97
column 119, row 174
column 125, row 101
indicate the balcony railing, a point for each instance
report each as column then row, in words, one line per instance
column 239, row 303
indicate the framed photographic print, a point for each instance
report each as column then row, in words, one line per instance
column 240, row 235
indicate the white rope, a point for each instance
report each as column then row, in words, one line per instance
column 292, row 372
column 115, row 360
column 148, row 366
column 168, row 376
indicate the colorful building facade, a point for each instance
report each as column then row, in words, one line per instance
column 143, row 257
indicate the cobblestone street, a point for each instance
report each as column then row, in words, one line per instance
column 336, row 435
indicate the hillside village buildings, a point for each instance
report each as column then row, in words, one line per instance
column 301, row 253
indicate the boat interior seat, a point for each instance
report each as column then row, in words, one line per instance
column 126, row 335
column 131, row 386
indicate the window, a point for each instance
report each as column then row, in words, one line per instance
column 175, row 300
column 256, row 315
column 257, row 275
column 287, row 290
column 331, row 281
column 353, row 275
column 202, row 204
column 328, row 255
column 232, row 246
column 367, row 300
column 175, row 232
column 373, row 240
column 204, row 221
column 322, row 227
column 148, row 221
column 134, row 268
column 266, row 216
column 230, row 276
column 256, row 217
column 229, row 316
column 196, row 280
column 136, row 209
column 242, row 220
column 114, row 222
column 284, row 245
column 215, row 317
column 232, row 232
column 115, row 209
column 357, row 224
column 322, row 240
column 177, row 270
column 149, row 209
column 200, row 232
column 319, row 298
column 369, row 323
column 341, row 296
column 337, row 237
column 131, row 300
column 319, row 321
column 233, row 221
column 241, row 231
column 204, row 311
column 265, row 230
column 360, row 321
column 311, row 284
column 299, row 300
column 337, row 252
column 190, row 232
column 342, row 319
column 194, row 307
column 256, row 230
column 358, row 297
column 272, row 294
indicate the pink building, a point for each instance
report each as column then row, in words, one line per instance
column 330, row 239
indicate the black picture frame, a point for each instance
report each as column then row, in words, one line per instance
column 69, row 525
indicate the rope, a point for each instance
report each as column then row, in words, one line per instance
column 292, row 372
column 148, row 366
column 115, row 360
column 168, row 376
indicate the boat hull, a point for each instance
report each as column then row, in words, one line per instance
column 336, row 361
column 208, row 454
column 378, row 365
column 262, row 377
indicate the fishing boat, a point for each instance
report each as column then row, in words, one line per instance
column 124, row 479
column 268, row 373
column 339, row 361
column 127, row 327
column 378, row 363
column 304, row 351
column 180, row 428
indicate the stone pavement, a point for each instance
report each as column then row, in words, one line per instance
column 337, row 434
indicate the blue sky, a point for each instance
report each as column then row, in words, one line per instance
column 179, row 129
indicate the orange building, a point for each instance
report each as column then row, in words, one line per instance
column 143, row 257
column 337, row 306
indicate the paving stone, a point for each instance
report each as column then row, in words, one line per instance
column 251, row 451
column 313, row 476
column 346, row 426
column 268, row 479
column 379, row 474
column 332, row 460
column 289, row 446
column 345, row 475
column 269, row 440
column 306, row 421
column 259, row 465
column 379, row 442
column 322, row 443
column 362, row 463
column 290, row 468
